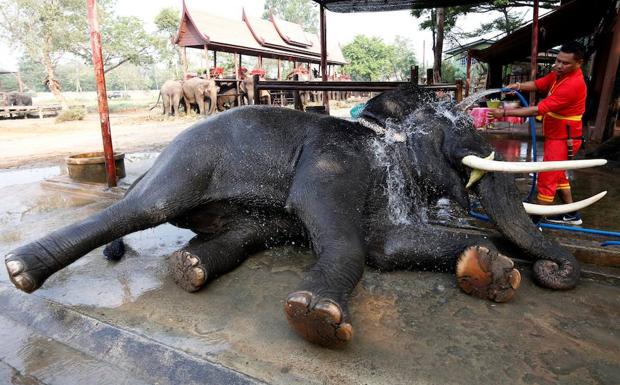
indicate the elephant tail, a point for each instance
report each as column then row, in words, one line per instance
column 114, row 250
column 157, row 102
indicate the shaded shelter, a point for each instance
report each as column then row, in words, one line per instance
column 579, row 19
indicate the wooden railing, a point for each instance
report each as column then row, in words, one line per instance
column 296, row 86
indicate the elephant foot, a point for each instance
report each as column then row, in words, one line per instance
column 26, row 270
column 487, row 274
column 318, row 321
column 187, row 271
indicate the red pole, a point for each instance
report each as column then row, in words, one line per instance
column 102, row 96
column 534, row 59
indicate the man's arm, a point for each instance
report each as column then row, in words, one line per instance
column 525, row 111
column 525, row 86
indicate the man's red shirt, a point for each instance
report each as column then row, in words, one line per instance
column 566, row 97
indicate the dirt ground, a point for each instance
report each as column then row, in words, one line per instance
column 41, row 142
column 36, row 142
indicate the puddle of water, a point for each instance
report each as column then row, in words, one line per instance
column 28, row 175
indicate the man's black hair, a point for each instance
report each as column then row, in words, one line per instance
column 576, row 48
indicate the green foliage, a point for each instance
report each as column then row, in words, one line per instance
column 303, row 12
column 167, row 21
column 449, row 72
column 371, row 59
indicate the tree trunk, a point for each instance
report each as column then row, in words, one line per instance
column 438, row 49
column 52, row 83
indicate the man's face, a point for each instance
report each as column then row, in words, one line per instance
column 566, row 63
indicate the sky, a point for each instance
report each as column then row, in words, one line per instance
column 341, row 27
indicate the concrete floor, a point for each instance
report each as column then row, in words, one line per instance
column 99, row 322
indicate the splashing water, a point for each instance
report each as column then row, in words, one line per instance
column 471, row 99
column 398, row 201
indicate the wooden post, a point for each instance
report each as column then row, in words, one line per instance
column 208, row 73
column 236, row 62
column 260, row 62
column 468, row 75
column 214, row 59
column 102, row 97
column 297, row 99
column 414, row 75
column 256, row 79
column 458, row 94
column 323, row 26
column 429, row 76
column 20, row 84
column 609, row 80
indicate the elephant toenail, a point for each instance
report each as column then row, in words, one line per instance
column 344, row 332
column 300, row 298
column 515, row 279
column 14, row 267
column 24, row 283
column 193, row 260
column 199, row 275
column 331, row 309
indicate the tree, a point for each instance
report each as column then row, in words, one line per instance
column 167, row 22
column 441, row 21
column 301, row 12
column 44, row 30
column 367, row 57
column 371, row 59
column 402, row 58
column 48, row 30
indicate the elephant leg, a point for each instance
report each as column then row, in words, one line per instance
column 166, row 103
column 176, row 100
column 208, row 256
column 480, row 269
column 318, row 309
column 30, row 265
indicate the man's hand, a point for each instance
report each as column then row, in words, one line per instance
column 495, row 113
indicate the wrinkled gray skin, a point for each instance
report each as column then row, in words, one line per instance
column 19, row 99
column 172, row 94
column 227, row 97
column 196, row 91
column 260, row 176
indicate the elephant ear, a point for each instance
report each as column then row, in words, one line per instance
column 395, row 104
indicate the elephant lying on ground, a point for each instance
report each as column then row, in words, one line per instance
column 357, row 192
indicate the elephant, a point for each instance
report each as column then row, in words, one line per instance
column 19, row 99
column 356, row 192
column 227, row 97
column 247, row 92
column 196, row 90
column 172, row 95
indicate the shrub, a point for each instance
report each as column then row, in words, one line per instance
column 71, row 114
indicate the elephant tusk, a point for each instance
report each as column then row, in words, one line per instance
column 477, row 174
column 487, row 164
column 533, row 209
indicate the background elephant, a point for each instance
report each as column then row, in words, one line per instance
column 196, row 90
column 19, row 99
column 227, row 97
column 172, row 94
column 247, row 92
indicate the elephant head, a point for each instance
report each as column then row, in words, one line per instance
column 450, row 159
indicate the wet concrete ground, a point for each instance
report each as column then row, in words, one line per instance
column 100, row 322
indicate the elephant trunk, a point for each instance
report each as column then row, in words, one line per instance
column 554, row 266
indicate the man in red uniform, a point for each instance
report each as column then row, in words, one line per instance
column 562, row 128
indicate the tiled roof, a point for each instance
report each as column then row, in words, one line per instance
column 252, row 36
